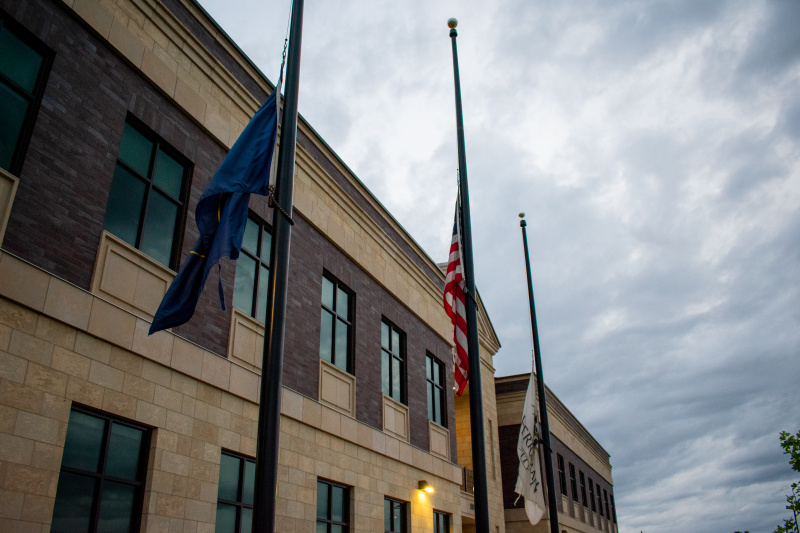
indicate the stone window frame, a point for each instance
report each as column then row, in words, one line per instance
column 441, row 522
column 399, row 356
column 348, row 320
column 159, row 144
column 591, row 495
column 261, row 256
column 239, row 504
column 433, row 388
column 101, row 476
column 402, row 507
column 328, row 520
column 573, row 485
column 562, row 477
column 583, row 488
column 32, row 97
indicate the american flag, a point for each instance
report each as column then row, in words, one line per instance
column 455, row 307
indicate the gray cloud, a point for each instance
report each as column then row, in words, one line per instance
column 654, row 148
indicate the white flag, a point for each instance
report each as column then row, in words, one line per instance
column 529, row 479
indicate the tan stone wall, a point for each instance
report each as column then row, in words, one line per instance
column 195, row 407
column 491, row 440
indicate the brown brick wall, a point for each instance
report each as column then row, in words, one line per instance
column 60, row 208
column 311, row 255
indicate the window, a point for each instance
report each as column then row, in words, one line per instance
column 583, row 489
column 441, row 522
column 605, row 501
column 24, row 65
column 333, row 508
column 237, row 475
column 599, row 500
column 434, row 371
column 572, row 483
column 335, row 335
column 394, row 516
column 562, row 478
column 393, row 368
column 146, row 200
column 591, row 495
column 103, row 469
column 252, row 270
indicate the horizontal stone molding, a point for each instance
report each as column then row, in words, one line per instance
column 108, row 321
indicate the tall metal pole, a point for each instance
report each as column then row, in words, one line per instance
column 474, row 357
column 548, row 453
column 269, row 413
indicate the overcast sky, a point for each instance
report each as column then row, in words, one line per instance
column 655, row 147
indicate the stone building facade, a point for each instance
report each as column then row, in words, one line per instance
column 109, row 104
column 581, row 467
column 121, row 103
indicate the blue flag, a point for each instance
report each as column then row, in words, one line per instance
column 221, row 214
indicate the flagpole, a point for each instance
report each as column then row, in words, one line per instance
column 269, row 413
column 481, row 493
column 548, row 453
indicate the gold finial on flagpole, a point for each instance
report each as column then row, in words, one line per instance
column 452, row 23
column 522, row 215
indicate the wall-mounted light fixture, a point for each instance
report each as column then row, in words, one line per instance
column 424, row 485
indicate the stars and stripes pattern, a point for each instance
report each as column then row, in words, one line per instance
column 455, row 306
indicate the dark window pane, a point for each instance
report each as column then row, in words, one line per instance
column 337, row 503
column 73, row 507
column 395, row 342
column 322, row 500
column 437, row 372
column 12, row 116
column 249, row 482
column 430, row 401
column 437, row 406
column 250, row 240
column 342, row 303
column 326, row 336
column 266, row 245
column 396, row 380
column 385, row 372
column 247, row 520
column 83, row 443
column 226, row 518
column 228, row 478
column 396, row 516
column 336, row 528
column 159, row 228
column 327, row 293
column 124, row 205
column 263, row 289
column 387, row 515
column 19, row 61
column 168, row 175
column 341, row 345
column 124, row 452
column 322, row 527
column 135, row 150
column 244, row 285
column 428, row 363
column 116, row 508
column 385, row 335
